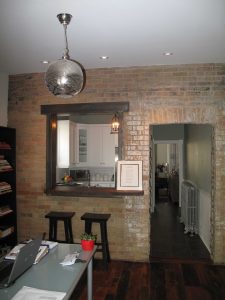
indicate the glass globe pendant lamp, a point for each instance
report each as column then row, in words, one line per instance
column 65, row 77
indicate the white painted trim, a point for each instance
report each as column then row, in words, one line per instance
column 204, row 217
column 4, row 83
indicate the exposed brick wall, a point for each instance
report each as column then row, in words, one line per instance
column 157, row 95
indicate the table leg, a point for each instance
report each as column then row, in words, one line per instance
column 89, row 280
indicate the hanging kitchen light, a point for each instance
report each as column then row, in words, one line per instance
column 65, row 77
column 115, row 124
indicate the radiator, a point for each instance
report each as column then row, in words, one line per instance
column 189, row 207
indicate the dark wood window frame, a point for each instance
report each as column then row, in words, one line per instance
column 51, row 112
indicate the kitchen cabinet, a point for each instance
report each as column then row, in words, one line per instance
column 85, row 145
column 63, row 142
column 101, row 146
column 78, row 143
column 108, row 147
column 73, row 139
column 66, row 143
column 82, row 145
column 8, row 215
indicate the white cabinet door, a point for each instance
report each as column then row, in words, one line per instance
column 63, row 144
column 101, row 146
column 73, row 143
column 79, row 144
column 108, row 147
column 94, row 145
column 66, row 143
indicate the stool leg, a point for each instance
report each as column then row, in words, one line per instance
column 104, row 242
column 88, row 226
column 50, row 234
column 52, row 230
column 107, row 243
column 68, row 231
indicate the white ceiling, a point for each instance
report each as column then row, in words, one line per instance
column 130, row 32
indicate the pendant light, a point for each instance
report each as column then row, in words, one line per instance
column 65, row 77
column 115, row 124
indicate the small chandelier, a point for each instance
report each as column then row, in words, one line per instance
column 115, row 124
column 65, row 77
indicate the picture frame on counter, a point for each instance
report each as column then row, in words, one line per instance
column 129, row 175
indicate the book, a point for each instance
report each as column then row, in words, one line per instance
column 5, row 166
column 4, row 145
column 6, row 230
column 4, row 210
column 5, row 187
column 49, row 244
column 43, row 250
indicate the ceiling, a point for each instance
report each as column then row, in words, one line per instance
column 129, row 32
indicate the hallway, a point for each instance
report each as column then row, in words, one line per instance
column 168, row 240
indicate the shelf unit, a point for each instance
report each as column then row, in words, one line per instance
column 8, row 218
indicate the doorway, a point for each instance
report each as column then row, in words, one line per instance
column 167, row 170
column 188, row 156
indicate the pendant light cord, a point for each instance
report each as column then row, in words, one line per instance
column 66, row 51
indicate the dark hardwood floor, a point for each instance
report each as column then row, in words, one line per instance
column 180, row 268
column 155, row 281
column 168, row 240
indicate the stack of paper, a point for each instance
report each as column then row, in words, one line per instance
column 13, row 253
column 43, row 250
column 50, row 244
column 36, row 294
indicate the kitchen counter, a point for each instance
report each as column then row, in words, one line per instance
column 84, row 191
column 85, row 184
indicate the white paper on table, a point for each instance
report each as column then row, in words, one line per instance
column 28, row 293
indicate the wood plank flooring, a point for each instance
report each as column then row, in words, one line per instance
column 156, row 281
column 180, row 268
column 168, row 239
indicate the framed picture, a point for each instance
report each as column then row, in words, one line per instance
column 129, row 175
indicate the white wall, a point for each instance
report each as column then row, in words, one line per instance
column 4, row 83
column 198, row 169
column 161, row 154
column 204, row 217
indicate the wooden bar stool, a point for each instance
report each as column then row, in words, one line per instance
column 54, row 217
column 103, row 245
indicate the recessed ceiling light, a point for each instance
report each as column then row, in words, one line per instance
column 44, row 61
column 167, row 53
column 103, row 57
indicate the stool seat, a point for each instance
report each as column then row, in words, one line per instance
column 102, row 219
column 54, row 217
column 95, row 217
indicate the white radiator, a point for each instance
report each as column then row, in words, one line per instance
column 189, row 207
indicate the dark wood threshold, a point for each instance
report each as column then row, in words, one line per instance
column 91, row 192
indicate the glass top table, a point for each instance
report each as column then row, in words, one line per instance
column 50, row 275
